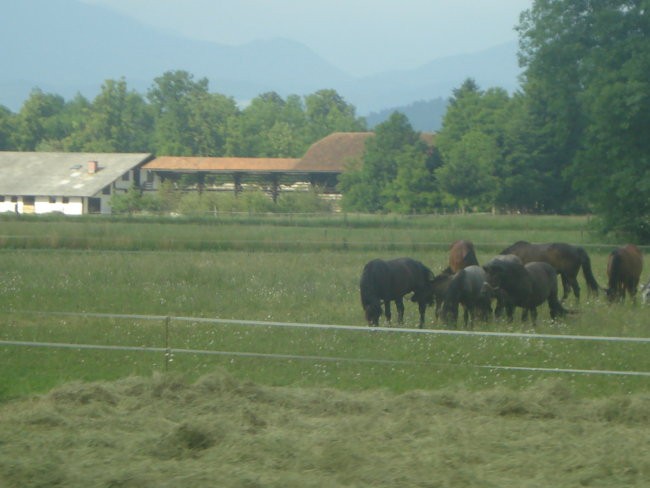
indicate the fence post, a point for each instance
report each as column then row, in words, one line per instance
column 168, row 353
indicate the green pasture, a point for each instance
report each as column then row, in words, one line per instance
column 296, row 269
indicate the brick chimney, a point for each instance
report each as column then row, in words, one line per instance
column 92, row 167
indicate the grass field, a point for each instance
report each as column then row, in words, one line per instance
column 300, row 269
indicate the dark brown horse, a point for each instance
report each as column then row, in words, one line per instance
column 565, row 258
column 461, row 255
column 624, row 268
column 386, row 281
column 526, row 286
column 465, row 288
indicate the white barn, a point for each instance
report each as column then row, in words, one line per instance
column 68, row 183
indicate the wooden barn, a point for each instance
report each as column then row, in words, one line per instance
column 320, row 167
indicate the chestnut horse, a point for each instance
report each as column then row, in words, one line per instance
column 565, row 258
column 461, row 255
column 624, row 271
column 386, row 281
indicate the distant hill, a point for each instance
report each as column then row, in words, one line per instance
column 67, row 47
column 425, row 116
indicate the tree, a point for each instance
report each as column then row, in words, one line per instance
column 327, row 112
column 472, row 145
column 6, row 123
column 39, row 121
column 118, row 120
column 467, row 174
column 208, row 122
column 395, row 160
column 586, row 67
column 171, row 97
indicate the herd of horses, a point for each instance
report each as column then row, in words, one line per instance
column 523, row 275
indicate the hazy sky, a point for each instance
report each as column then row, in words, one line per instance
column 359, row 36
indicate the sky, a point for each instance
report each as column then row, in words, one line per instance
column 361, row 37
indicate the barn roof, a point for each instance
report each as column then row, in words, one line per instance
column 332, row 152
column 62, row 174
column 226, row 165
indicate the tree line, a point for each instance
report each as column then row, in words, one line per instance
column 574, row 138
column 178, row 116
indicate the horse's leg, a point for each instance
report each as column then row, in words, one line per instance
column 524, row 315
column 399, row 304
column 422, row 306
column 576, row 287
column 533, row 315
column 387, row 311
column 510, row 312
column 565, row 285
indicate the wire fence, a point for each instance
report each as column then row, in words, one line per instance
column 168, row 351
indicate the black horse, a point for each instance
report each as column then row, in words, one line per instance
column 465, row 288
column 565, row 258
column 386, row 281
column 526, row 286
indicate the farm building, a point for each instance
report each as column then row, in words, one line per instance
column 69, row 183
column 320, row 167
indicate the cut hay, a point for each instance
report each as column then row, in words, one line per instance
column 218, row 431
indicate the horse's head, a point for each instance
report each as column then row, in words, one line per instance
column 373, row 312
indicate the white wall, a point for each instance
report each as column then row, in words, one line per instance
column 74, row 205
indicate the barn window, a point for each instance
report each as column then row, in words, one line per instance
column 52, row 199
column 66, row 200
column 126, row 176
column 2, row 198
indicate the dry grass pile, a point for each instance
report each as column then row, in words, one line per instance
column 167, row 432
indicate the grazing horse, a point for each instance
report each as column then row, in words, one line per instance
column 386, row 281
column 565, row 258
column 526, row 286
column 465, row 288
column 461, row 255
column 624, row 268
column 501, row 297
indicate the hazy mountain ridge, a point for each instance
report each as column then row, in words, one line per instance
column 67, row 47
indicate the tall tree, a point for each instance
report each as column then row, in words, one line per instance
column 118, row 120
column 39, row 121
column 328, row 112
column 171, row 97
column 586, row 66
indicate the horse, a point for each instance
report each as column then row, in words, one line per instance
column 502, row 298
column 386, row 281
column 624, row 267
column 526, row 286
column 465, row 288
column 565, row 258
column 461, row 255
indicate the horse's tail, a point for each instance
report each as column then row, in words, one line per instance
column 586, row 271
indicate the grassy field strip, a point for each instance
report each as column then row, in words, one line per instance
column 241, row 354
column 402, row 330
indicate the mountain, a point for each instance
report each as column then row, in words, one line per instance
column 424, row 115
column 68, row 47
